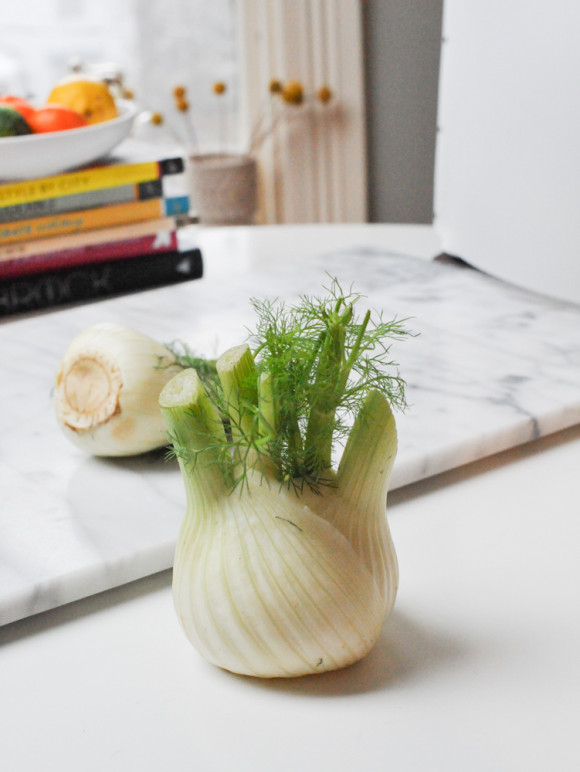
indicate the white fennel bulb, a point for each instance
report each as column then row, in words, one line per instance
column 107, row 391
column 285, row 567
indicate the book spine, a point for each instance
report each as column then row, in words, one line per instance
column 90, row 254
column 176, row 205
column 97, row 282
column 94, row 178
column 72, row 222
column 83, row 238
column 78, row 202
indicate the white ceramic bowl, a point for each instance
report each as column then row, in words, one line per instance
column 41, row 155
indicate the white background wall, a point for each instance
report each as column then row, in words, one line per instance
column 508, row 156
column 40, row 37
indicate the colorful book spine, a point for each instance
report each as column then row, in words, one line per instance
column 77, row 202
column 176, row 205
column 93, row 178
column 84, row 238
column 104, row 216
column 100, row 281
column 90, row 254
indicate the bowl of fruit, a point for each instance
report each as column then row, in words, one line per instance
column 80, row 123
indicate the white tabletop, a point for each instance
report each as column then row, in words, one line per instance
column 477, row 668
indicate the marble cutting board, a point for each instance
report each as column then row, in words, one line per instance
column 492, row 367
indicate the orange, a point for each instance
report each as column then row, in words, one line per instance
column 90, row 98
column 55, row 118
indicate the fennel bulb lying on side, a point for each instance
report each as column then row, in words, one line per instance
column 107, row 389
column 284, row 566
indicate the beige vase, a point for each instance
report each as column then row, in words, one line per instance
column 224, row 188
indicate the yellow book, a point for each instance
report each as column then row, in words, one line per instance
column 73, row 222
column 93, row 178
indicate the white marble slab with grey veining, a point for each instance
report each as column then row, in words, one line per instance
column 491, row 368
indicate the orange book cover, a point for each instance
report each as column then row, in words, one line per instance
column 74, row 222
column 19, row 249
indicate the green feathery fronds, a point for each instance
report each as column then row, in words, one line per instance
column 185, row 358
column 293, row 392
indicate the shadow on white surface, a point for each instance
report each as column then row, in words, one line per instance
column 85, row 608
column 405, row 651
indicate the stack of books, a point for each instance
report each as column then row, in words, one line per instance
column 93, row 233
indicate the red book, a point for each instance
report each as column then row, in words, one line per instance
column 89, row 254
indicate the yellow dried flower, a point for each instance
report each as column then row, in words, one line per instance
column 324, row 94
column 219, row 87
column 156, row 119
column 275, row 87
column 179, row 92
column 182, row 105
column 293, row 93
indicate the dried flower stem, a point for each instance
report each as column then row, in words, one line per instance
column 220, row 88
column 258, row 139
column 290, row 100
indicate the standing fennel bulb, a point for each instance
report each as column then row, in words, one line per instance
column 283, row 566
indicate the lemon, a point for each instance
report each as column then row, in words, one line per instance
column 90, row 98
